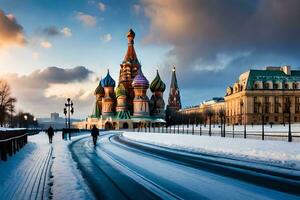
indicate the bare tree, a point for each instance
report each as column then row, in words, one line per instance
column 209, row 113
column 7, row 103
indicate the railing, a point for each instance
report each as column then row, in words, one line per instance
column 275, row 133
column 11, row 141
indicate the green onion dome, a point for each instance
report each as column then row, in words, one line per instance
column 157, row 85
column 99, row 89
column 108, row 81
column 140, row 80
column 120, row 91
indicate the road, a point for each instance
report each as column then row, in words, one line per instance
column 116, row 169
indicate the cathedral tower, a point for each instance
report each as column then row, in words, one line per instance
column 141, row 101
column 108, row 101
column 129, row 69
column 157, row 87
column 99, row 93
column 174, row 102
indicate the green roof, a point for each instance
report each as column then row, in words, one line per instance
column 271, row 75
column 123, row 115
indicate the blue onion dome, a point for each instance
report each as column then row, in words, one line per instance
column 120, row 91
column 140, row 80
column 157, row 85
column 108, row 81
column 99, row 89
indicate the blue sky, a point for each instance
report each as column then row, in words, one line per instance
column 209, row 41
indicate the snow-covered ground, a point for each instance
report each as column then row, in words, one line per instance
column 64, row 180
column 276, row 152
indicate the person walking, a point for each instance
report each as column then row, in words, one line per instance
column 50, row 132
column 95, row 134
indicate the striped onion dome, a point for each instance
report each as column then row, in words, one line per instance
column 99, row 89
column 140, row 80
column 120, row 91
column 157, row 85
column 108, row 81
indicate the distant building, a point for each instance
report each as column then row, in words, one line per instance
column 213, row 105
column 264, row 95
column 54, row 116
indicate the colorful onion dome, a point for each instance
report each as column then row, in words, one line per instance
column 99, row 89
column 140, row 80
column 157, row 85
column 120, row 91
column 108, row 81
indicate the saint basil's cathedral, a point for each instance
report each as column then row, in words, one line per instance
column 127, row 105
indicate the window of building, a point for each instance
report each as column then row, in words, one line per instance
column 256, row 105
column 297, row 105
column 276, row 119
column 295, row 86
column 276, row 86
column 267, row 104
column 267, row 119
column 267, row 85
column 286, row 86
column 277, row 105
column 287, row 104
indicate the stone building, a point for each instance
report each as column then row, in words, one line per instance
column 264, row 96
column 214, row 105
column 259, row 96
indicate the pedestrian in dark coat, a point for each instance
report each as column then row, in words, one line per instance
column 50, row 133
column 95, row 134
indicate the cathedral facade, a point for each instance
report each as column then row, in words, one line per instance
column 126, row 104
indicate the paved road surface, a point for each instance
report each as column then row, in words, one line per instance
column 115, row 169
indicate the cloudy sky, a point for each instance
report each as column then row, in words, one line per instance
column 53, row 49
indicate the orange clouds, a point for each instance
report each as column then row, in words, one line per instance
column 11, row 33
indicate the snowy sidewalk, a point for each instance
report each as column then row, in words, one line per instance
column 42, row 171
column 25, row 175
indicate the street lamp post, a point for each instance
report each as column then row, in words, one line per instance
column 243, row 118
column 26, row 118
column 68, row 111
column 262, row 121
column 288, row 110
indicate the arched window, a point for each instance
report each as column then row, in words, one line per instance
column 266, row 85
column 286, row 86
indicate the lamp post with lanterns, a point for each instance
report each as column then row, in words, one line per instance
column 68, row 111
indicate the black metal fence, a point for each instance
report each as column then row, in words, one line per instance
column 273, row 134
column 11, row 141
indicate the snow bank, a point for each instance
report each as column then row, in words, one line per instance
column 276, row 152
column 67, row 180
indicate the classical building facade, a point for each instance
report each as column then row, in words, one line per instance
column 127, row 105
column 264, row 96
column 259, row 96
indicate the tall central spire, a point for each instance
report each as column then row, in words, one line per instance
column 130, row 55
column 129, row 69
